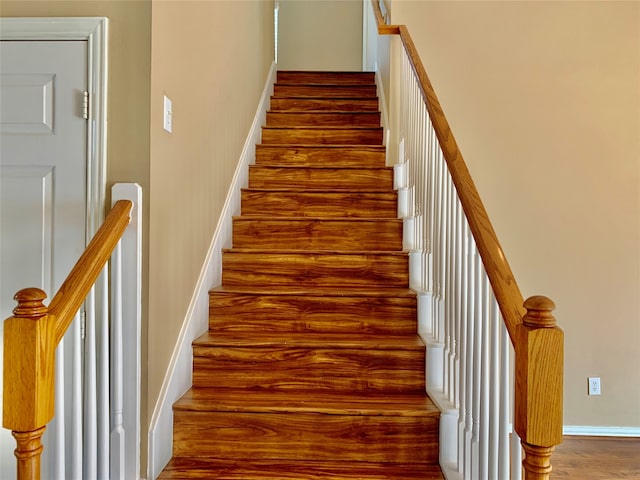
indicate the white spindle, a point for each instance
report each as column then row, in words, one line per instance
column 494, row 393
column 90, row 387
column 103, row 377
column 478, row 321
column 462, row 346
column 457, row 308
column 485, row 379
column 505, row 414
column 76, row 442
column 117, row 430
column 448, row 292
column 469, row 349
column 58, row 444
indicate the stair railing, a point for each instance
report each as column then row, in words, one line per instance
column 105, row 419
column 470, row 309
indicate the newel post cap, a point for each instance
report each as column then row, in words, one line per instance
column 539, row 310
column 30, row 303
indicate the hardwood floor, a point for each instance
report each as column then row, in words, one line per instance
column 596, row 458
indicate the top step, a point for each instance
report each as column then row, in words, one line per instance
column 332, row 78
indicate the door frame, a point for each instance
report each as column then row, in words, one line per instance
column 94, row 31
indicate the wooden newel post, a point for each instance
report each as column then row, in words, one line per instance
column 539, row 386
column 28, row 388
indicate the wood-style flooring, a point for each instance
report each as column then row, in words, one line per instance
column 596, row 458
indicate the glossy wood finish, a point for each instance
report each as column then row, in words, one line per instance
column 323, row 90
column 323, row 135
column 31, row 336
column 322, row 118
column 321, row 103
column 84, row 274
column 191, row 468
column 314, row 268
column 334, row 78
column 312, row 368
column 299, row 233
column 320, row 177
column 363, row 156
column 382, row 311
column 328, row 203
column 597, row 458
column 306, row 436
column 319, row 362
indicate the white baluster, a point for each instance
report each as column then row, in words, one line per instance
column 470, row 352
column 103, row 376
column 58, row 443
column 494, row 392
column 505, row 414
column 478, row 377
column 76, row 399
column 90, row 386
column 485, row 383
column 117, row 444
column 462, row 302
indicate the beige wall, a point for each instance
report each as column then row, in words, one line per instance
column 129, row 64
column 544, row 100
column 212, row 59
column 128, row 82
column 320, row 35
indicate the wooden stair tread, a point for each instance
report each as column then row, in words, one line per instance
column 327, row 191
column 328, row 90
column 319, row 127
column 321, row 112
column 279, row 251
column 306, row 401
column 338, row 99
column 311, row 340
column 323, row 146
column 187, row 468
column 317, row 291
column 249, row 218
column 348, row 168
column 289, row 102
column 342, row 77
column 359, row 156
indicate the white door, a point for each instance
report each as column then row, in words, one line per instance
column 43, row 177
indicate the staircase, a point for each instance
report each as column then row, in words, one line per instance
column 312, row 368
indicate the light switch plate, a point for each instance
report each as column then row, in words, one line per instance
column 168, row 114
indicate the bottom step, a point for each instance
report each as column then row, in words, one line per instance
column 192, row 468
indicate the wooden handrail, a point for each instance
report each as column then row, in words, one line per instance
column 30, row 339
column 532, row 329
column 84, row 274
column 499, row 272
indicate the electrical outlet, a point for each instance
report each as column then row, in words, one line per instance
column 594, row 385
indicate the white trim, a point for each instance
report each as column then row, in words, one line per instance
column 591, row 431
column 127, row 463
column 94, row 30
column 178, row 378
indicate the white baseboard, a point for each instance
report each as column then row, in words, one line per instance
column 178, row 378
column 592, row 431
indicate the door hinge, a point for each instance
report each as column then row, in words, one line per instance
column 83, row 324
column 85, row 105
